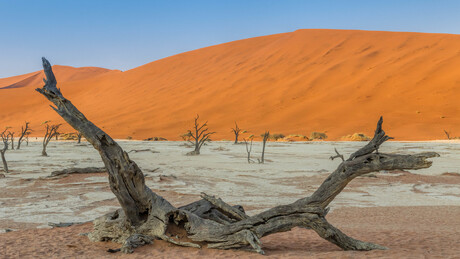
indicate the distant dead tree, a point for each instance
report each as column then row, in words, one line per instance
column 51, row 131
column 248, row 149
column 11, row 135
column 236, row 131
column 265, row 137
column 447, row 134
column 186, row 136
column 198, row 136
column 25, row 131
column 337, row 156
column 27, row 138
column 5, row 139
column 79, row 137
column 146, row 216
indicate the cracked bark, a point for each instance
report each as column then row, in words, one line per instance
column 144, row 215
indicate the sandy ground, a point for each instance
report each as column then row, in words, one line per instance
column 408, row 232
column 416, row 214
column 333, row 81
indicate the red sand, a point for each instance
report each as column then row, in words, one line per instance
column 408, row 232
column 334, row 81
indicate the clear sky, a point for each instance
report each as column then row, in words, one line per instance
column 126, row 34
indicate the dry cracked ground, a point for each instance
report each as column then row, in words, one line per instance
column 30, row 198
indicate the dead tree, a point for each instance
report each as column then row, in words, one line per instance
column 337, row 156
column 5, row 140
column 78, row 138
column 447, row 134
column 145, row 215
column 51, row 131
column 236, row 131
column 265, row 137
column 198, row 136
column 25, row 130
column 248, row 149
column 11, row 135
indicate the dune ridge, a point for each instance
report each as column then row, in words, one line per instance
column 333, row 81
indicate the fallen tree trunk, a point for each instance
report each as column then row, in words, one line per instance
column 144, row 215
column 78, row 170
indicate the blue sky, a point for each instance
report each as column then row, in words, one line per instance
column 126, row 34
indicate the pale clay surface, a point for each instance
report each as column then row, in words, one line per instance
column 292, row 171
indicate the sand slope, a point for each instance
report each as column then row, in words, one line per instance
column 337, row 81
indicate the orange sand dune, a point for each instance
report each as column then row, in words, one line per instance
column 333, row 81
column 64, row 73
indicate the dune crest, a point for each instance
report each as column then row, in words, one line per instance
column 332, row 81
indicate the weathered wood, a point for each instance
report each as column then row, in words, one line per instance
column 143, row 150
column 210, row 221
column 134, row 241
column 224, row 207
column 374, row 144
column 139, row 203
column 65, row 224
column 78, row 170
column 265, row 136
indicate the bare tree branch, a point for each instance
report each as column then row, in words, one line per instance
column 337, row 156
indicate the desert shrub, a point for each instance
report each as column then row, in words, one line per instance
column 129, row 137
column 277, row 136
column 318, row 135
column 356, row 137
column 68, row 136
column 298, row 136
column 186, row 136
column 155, row 139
